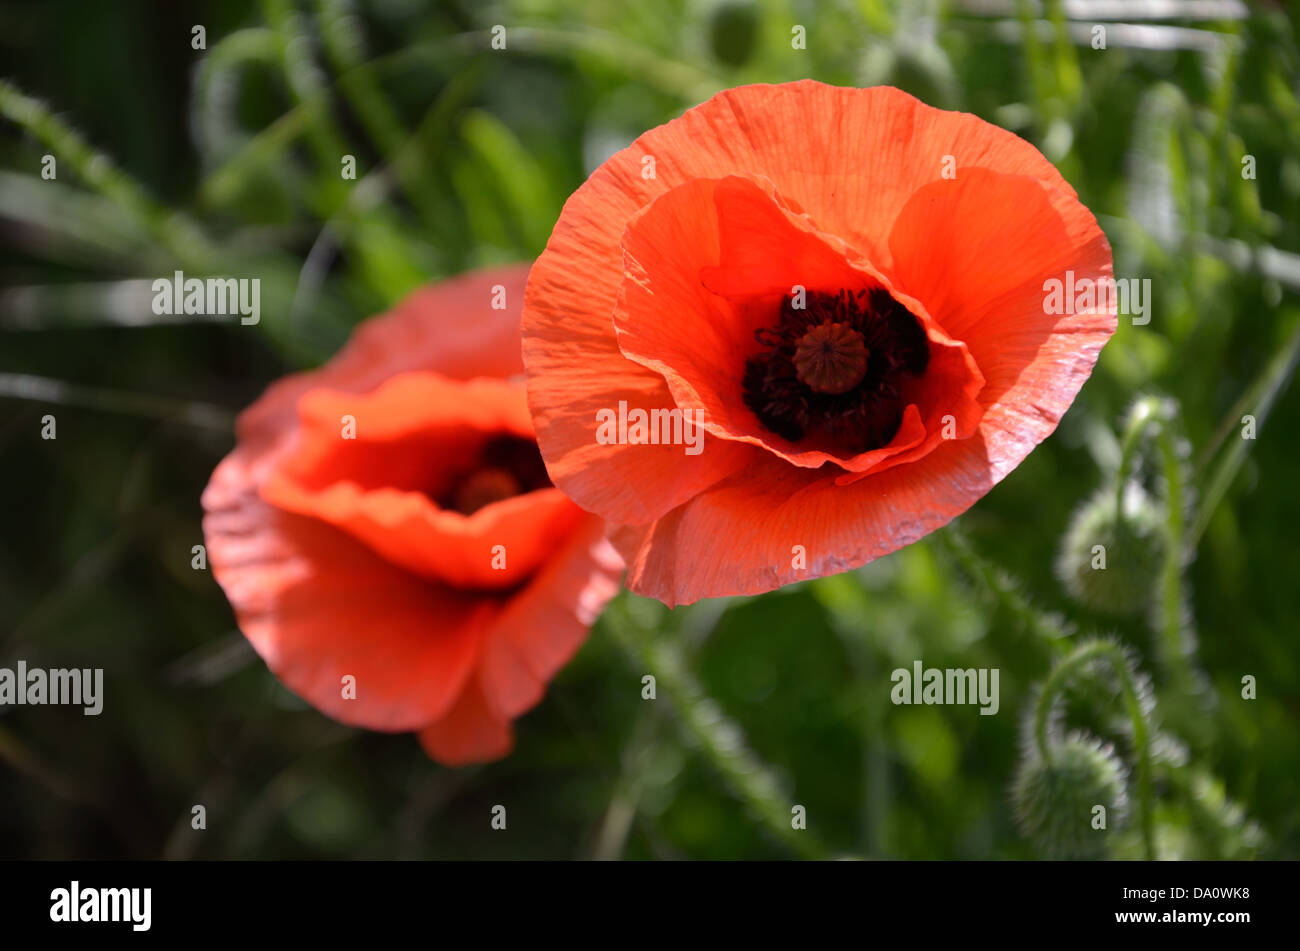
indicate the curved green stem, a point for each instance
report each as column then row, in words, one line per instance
column 344, row 48
column 1057, row 680
column 1177, row 647
column 216, row 81
column 305, row 81
column 1051, row 632
column 176, row 232
column 1152, row 415
column 1144, row 412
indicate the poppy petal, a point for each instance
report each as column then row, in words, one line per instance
column 471, row 732
column 637, row 482
column 1034, row 362
column 542, row 627
column 319, row 606
column 695, row 323
column 776, row 509
column 462, row 327
column 410, row 433
column 378, row 485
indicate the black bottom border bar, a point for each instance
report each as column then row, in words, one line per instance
column 369, row 899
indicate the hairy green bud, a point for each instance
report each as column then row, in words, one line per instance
column 1111, row 562
column 1068, row 803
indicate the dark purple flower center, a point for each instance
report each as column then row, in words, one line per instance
column 832, row 369
column 506, row 466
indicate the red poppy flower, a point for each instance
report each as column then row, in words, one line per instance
column 845, row 288
column 387, row 535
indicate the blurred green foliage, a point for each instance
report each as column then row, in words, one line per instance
column 227, row 160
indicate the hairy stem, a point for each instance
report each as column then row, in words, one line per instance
column 1056, row 681
column 718, row 737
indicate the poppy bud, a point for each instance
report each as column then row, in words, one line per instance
column 1108, row 561
column 1066, row 804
